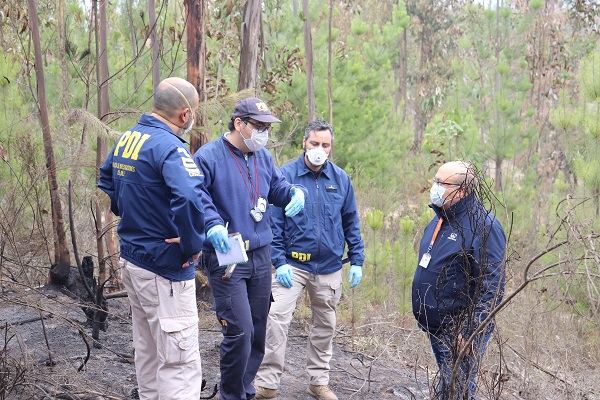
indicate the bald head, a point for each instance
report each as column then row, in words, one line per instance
column 458, row 178
column 173, row 96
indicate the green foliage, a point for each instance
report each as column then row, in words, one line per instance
column 359, row 27
column 536, row 4
column 375, row 219
column 480, row 100
column 589, row 75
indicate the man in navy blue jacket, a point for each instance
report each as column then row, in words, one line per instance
column 460, row 277
column 240, row 183
column 155, row 187
column 307, row 253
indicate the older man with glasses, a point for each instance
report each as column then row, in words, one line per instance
column 459, row 278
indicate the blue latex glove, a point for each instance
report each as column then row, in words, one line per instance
column 285, row 275
column 296, row 204
column 355, row 274
column 219, row 238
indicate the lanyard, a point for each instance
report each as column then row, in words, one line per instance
column 256, row 188
column 435, row 233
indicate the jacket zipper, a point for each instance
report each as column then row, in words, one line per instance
column 318, row 228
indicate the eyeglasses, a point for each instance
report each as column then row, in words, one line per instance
column 446, row 183
column 259, row 128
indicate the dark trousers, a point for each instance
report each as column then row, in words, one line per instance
column 242, row 307
column 444, row 348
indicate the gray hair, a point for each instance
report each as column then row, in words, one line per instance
column 318, row 125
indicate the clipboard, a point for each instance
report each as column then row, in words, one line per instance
column 235, row 255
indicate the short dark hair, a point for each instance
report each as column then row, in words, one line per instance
column 231, row 125
column 318, row 125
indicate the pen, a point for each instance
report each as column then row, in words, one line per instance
column 226, row 226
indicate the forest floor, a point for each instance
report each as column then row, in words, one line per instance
column 44, row 340
column 44, row 357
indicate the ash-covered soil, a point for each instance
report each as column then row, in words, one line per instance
column 47, row 352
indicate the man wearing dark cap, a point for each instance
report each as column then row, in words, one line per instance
column 240, row 182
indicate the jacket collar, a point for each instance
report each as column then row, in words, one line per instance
column 235, row 150
column 456, row 210
column 304, row 170
column 149, row 120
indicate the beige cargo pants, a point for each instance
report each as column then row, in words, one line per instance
column 324, row 292
column 165, row 335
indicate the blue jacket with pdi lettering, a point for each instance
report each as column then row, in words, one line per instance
column 314, row 240
column 155, row 187
column 232, row 181
column 465, row 276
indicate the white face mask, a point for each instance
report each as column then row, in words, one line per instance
column 189, row 127
column 257, row 141
column 437, row 195
column 317, row 156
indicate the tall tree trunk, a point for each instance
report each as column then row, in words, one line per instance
column 155, row 44
column 498, row 176
column 249, row 44
column 329, row 60
column 133, row 39
column 419, row 112
column 308, row 49
column 404, row 73
column 103, row 213
column 59, row 273
column 64, row 82
column 196, row 64
column 61, row 55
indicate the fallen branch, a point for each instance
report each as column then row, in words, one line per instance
column 26, row 321
column 544, row 370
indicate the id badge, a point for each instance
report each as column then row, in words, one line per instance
column 425, row 260
column 261, row 205
column 256, row 215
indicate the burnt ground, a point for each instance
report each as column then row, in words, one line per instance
column 47, row 352
column 44, row 342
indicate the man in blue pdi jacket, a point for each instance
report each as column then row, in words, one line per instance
column 150, row 169
column 240, row 184
column 460, row 276
column 307, row 253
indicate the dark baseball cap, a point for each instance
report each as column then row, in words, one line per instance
column 253, row 108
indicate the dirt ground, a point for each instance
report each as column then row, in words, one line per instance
column 44, row 358
column 45, row 340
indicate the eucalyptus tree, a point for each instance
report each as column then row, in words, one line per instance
column 59, row 273
column 308, row 51
column 250, row 35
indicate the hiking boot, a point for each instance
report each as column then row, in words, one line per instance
column 321, row 392
column 265, row 393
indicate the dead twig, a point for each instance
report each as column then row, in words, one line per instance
column 546, row 371
column 26, row 321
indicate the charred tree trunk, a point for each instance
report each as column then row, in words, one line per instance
column 59, row 272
